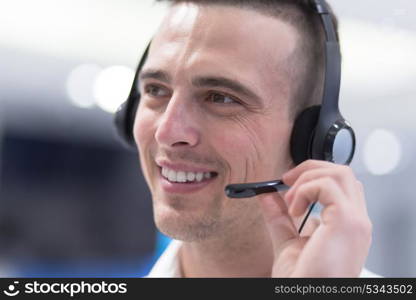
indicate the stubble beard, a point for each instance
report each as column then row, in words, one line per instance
column 175, row 221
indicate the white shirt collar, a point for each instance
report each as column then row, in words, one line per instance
column 168, row 264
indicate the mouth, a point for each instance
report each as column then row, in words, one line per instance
column 186, row 176
column 185, row 181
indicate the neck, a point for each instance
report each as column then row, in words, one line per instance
column 247, row 253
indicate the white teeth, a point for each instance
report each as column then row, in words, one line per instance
column 172, row 175
column 199, row 176
column 165, row 172
column 182, row 176
column 190, row 176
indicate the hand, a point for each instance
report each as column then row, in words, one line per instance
column 338, row 245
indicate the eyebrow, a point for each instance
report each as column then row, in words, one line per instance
column 224, row 82
column 155, row 74
column 204, row 81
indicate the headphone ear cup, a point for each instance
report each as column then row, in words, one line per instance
column 120, row 121
column 303, row 134
column 124, row 120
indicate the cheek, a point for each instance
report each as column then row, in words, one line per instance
column 239, row 144
column 254, row 149
column 233, row 147
column 143, row 132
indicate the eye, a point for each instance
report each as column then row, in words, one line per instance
column 156, row 90
column 222, row 99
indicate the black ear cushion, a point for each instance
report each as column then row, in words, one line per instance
column 124, row 120
column 303, row 133
column 125, row 115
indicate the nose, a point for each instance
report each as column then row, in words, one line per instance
column 178, row 126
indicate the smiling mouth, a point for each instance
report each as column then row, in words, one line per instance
column 186, row 177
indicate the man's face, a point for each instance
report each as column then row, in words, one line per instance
column 214, row 110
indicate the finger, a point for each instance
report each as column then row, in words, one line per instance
column 323, row 190
column 310, row 226
column 291, row 176
column 279, row 224
column 341, row 174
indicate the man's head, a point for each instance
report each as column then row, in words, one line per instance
column 220, row 89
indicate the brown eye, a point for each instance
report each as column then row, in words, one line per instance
column 156, row 91
column 222, row 99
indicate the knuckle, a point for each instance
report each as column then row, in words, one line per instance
column 362, row 226
column 304, row 191
column 309, row 162
column 345, row 170
column 328, row 181
column 337, row 175
column 300, row 191
column 312, row 163
column 343, row 174
column 342, row 213
column 305, row 176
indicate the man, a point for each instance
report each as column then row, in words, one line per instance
column 220, row 90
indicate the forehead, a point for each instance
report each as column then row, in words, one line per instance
column 223, row 38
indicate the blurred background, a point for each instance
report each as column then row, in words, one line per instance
column 73, row 201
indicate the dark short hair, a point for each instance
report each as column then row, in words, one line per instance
column 307, row 63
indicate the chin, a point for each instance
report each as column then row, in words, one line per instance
column 184, row 225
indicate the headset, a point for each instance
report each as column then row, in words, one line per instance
column 319, row 132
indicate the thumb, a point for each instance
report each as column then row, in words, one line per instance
column 279, row 224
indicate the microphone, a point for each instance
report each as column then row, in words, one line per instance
column 247, row 190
